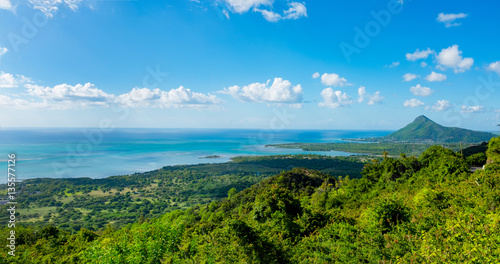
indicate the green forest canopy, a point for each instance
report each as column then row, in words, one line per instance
column 425, row 209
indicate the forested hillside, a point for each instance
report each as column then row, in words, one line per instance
column 71, row 204
column 405, row 210
column 425, row 130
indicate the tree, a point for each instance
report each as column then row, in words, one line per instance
column 231, row 193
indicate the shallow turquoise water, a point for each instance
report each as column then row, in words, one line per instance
column 57, row 153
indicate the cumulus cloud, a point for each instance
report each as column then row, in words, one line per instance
column 495, row 66
column 334, row 99
column 7, row 5
column 448, row 19
column 8, row 80
column 61, row 96
column 242, row 6
column 375, row 98
column 372, row 99
column 423, row 64
column 418, row 54
column 441, row 105
column 451, row 57
column 361, row 94
column 295, row 10
column 20, row 103
column 409, row 77
column 472, row 109
column 50, row 7
column 270, row 15
column 156, row 98
column 67, row 96
column 3, row 50
column 333, row 79
column 393, row 65
column 280, row 91
column 315, row 75
column 435, row 77
column 412, row 103
column 419, row 90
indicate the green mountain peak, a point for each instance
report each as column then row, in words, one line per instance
column 424, row 130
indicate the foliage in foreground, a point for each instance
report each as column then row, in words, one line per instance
column 408, row 210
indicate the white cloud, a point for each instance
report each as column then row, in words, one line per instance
column 495, row 66
column 441, row 105
column 423, row 64
column 435, row 77
column 394, row 64
column 375, row 98
column 20, row 103
column 8, row 80
column 472, row 109
column 156, row 98
column 409, row 76
column 295, row 10
column 68, row 96
column 315, row 75
column 65, row 96
column 50, row 7
column 3, row 50
column 361, row 94
column 421, row 91
column 448, row 19
column 226, row 13
column 333, row 79
column 372, row 98
column 270, row 15
column 242, row 6
column 412, row 103
column 61, row 96
column 451, row 57
column 334, row 99
column 280, row 91
column 417, row 55
column 7, row 5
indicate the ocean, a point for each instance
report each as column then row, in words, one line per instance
column 96, row 153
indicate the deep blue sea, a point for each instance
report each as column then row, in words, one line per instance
column 91, row 152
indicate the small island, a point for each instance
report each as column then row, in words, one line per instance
column 211, row 157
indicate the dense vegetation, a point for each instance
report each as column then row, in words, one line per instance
column 72, row 204
column 393, row 149
column 425, row 130
column 408, row 210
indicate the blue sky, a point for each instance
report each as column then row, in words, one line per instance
column 249, row 63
